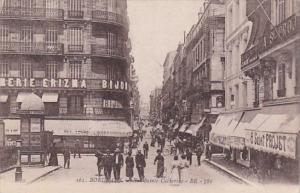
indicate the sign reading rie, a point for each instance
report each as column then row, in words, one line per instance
column 63, row 83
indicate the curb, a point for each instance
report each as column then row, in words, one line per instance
column 43, row 175
column 230, row 173
column 7, row 169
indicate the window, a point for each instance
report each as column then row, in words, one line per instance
column 75, row 8
column 26, row 34
column 281, row 80
column 51, row 70
column 75, row 104
column 245, row 94
column 75, row 69
column 75, row 39
column 26, row 70
column 281, row 14
column 4, row 33
column 237, row 90
column 51, row 36
column 4, row 69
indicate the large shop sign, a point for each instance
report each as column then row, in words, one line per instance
column 62, row 83
column 278, row 143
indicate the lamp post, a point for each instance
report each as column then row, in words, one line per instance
column 18, row 173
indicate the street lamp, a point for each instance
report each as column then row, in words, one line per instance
column 18, row 173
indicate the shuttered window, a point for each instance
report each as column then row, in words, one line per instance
column 26, row 70
column 4, row 68
column 75, row 69
column 51, row 70
column 75, row 105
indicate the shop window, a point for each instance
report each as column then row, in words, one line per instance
column 75, row 105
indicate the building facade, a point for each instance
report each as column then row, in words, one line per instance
column 205, row 58
column 155, row 106
column 167, row 88
column 74, row 54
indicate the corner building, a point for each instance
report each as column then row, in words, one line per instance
column 74, row 54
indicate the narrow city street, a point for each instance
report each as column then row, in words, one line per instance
column 83, row 175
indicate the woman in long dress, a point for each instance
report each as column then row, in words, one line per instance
column 175, row 171
column 129, row 166
column 160, row 164
column 53, row 161
column 184, row 164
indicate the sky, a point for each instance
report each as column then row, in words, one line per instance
column 156, row 27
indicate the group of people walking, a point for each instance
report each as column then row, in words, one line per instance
column 114, row 162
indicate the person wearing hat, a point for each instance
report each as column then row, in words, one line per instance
column 160, row 164
column 107, row 163
column 129, row 166
column 146, row 149
column 99, row 156
column 117, row 164
column 140, row 164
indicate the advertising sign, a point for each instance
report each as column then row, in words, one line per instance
column 279, row 143
column 35, row 124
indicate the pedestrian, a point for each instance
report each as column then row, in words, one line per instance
column 129, row 166
column 175, row 171
column 77, row 148
column 117, row 164
column 67, row 157
column 140, row 164
column 146, row 149
column 160, row 164
column 207, row 150
column 46, row 156
column 199, row 152
column 184, row 164
column 107, row 163
column 99, row 156
column 53, row 156
column 162, row 142
column 189, row 155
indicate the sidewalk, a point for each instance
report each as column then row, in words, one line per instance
column 30, row 174
column 246, row 175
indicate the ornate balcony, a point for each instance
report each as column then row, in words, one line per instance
column 31, row 13
column 75, row 14
column 103, row 51
column 109, row 17
column 34, row 48
column 75, row 48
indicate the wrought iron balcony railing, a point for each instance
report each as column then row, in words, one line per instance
column 35, row 48
column 109, row 17
column 75, row 14
column 31, row 13
column 103, row 51
column 75, row 48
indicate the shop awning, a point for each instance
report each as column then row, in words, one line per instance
column 88, row 128
column 12, row 126
column 50, row 97
column 239, row 133
column 3, row 98
column 193, row 129
column 21, row 96
column 274, row 130
column 183, row 127
column 222, row 129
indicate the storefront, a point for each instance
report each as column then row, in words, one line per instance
column 273, row 135
column 90, row 134
column 220, row 134
column 12, row 131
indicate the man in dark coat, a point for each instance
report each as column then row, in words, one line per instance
column 99, row 156
column 53, row 161
column 199, row 152
column 77, row 148
column 189, row 155
column 129, row 166
column 67, row 157
column 140, row 164
column 146, row 149
column 118, row 162
column 107, row 163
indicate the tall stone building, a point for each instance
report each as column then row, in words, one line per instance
column 73, row 54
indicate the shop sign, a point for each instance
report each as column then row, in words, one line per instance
column 278, row 143
column 35, row 139
column 45, row 83
column 281, row 32
column 250, row 56
column 219, row 140
column 35, row 158
column 24, row 158
column 63, row 83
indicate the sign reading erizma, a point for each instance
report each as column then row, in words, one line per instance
column 63, row 83
column 279, row 143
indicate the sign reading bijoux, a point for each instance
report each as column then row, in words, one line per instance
column 63, row 83
column 279, row 143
